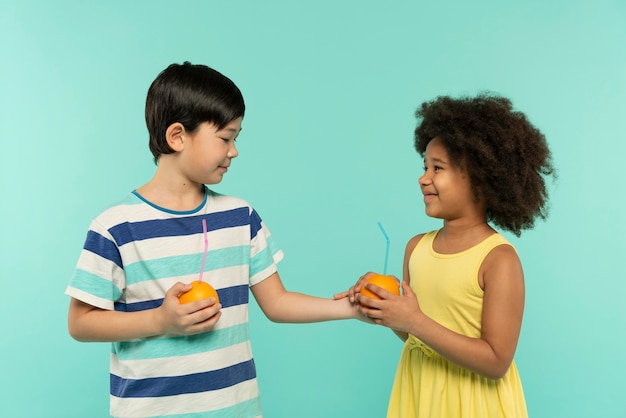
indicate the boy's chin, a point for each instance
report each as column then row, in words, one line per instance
column 214, row 180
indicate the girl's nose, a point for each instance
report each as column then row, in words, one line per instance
column 424, row 179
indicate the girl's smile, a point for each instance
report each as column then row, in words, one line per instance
column 428, row 196
column 446, row 187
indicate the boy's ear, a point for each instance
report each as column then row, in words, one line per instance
column 174, row 136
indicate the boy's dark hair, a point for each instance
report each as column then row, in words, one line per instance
column 505, row 156
column 189, row 94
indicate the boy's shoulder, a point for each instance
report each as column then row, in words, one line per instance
column 221, row 201
column 133, row 208
column 121, row 210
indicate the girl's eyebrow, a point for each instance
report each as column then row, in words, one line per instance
column 436, row 160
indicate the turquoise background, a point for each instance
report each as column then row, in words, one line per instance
column 325, row 154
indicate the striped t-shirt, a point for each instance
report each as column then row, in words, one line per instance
column 134, row 252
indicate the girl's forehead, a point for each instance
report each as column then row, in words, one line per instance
column 436, row 147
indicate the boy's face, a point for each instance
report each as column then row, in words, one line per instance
column 208, row 152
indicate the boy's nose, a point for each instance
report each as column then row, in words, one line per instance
column 233, row 152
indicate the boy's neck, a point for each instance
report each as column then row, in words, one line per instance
column 171, row 191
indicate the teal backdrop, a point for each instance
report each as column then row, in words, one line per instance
column 326, row 152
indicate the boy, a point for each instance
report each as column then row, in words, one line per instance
column 170, row 358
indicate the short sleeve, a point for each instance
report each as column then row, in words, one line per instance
column 264, row 253
column 98, row 278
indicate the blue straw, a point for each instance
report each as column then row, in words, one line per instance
column 387, row 249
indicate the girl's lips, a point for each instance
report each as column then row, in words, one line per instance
column 428, row 197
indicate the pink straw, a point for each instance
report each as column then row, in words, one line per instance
column 206, row 247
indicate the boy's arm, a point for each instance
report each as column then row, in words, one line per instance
column 280, row 305
column 89, row 323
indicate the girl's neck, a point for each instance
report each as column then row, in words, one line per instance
column 455, row 237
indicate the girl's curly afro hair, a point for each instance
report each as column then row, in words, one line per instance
column 506, row 157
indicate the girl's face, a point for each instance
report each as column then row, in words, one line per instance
column 446, row 187
column 208, row 152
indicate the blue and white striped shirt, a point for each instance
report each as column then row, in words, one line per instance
column 134, row 252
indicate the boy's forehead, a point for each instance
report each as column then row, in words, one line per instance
column 233, row 126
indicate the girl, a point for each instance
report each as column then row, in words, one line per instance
column 461, row 309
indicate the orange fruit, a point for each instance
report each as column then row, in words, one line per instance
column 199, row 291
column 386, row 282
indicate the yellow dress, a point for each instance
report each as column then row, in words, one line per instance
column 427, row 385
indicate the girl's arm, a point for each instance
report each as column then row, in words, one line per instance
column 489, row 355
column 280, row 305
column 352, row 292
column 89, row 323
column 410, row 246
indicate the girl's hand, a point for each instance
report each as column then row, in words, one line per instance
column 392, row 311
column 196, row 317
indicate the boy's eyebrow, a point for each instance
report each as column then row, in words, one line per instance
column 233, row 130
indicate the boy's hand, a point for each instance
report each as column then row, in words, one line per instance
column 176, row 318
column 351, row 293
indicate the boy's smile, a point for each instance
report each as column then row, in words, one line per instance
column 208, row 152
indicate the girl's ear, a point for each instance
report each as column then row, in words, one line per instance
column 174, row 136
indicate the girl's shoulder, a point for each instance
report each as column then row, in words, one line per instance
column 501, row 252
column 413, row 242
